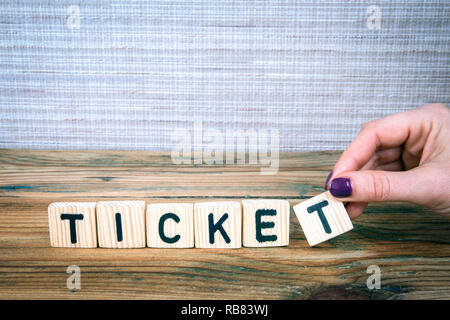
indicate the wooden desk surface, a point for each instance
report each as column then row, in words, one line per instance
column 410, row 244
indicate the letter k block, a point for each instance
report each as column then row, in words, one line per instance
column 218, row 224
column 322, row 218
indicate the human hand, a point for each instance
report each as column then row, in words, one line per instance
column 402, row 157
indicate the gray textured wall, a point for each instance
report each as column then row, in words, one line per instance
column 136, row 70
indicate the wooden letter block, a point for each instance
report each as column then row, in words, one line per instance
column 170, row 225
column 72, row 224
column 218, row 224
column 121, row 224
column 322, row 217
column 265, row 223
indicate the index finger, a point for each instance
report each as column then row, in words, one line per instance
column 391, row 131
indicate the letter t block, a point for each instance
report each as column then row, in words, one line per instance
column 72, row 224
column 322, row 218
column 266, row 223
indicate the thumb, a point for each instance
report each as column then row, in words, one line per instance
column 375, row 185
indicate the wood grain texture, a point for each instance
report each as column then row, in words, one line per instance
column 410, row 244
column 336, row 218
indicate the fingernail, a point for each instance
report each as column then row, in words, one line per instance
column 328, row 179
column 341, row 187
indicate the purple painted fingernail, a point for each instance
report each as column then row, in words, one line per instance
column 341, row 187
column 328, row 180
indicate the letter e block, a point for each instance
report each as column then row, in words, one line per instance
column 170, row 225
column 72, row 224
column 121, row 224
column 265, row 223
column 218, row 224
column 322, row 217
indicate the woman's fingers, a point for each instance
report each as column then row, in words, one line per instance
column 386, row 133
column 410, row 130
column 393, row 166
column 372, row 167
column 355, row 209
column 374, row 185
column 382, row 157
column 385, row 159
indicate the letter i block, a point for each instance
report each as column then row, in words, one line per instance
column 170, row 225
column 121, row 224
column 322, row 217
column 265, row 223
column 218, row 224
column 72, row 224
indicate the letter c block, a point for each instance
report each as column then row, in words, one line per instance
column 170, row 225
